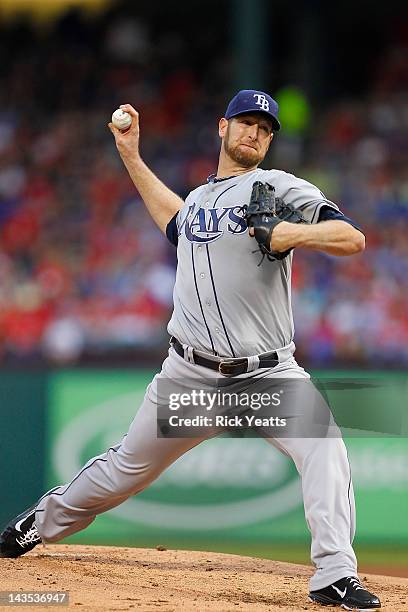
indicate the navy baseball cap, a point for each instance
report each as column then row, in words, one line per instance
column 250, row 101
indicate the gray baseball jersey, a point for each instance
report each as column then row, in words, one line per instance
column 224, row 302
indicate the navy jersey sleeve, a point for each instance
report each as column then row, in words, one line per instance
column 172, row 230
column 330, row 214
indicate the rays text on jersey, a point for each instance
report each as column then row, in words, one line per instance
column 209, row 224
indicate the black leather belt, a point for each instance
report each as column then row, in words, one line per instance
column 227, row 366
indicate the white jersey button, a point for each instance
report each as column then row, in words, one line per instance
column 202, row 275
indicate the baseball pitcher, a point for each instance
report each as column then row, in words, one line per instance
column 232, row 321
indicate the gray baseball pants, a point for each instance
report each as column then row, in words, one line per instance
column 129, row 467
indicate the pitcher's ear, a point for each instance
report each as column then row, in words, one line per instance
column 222, row 127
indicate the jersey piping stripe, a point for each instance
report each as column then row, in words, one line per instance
column 199, row 300
column 222, row 193
column 46, row 495
column 114, row 449
column 348, row 495
column 349, row 500
column 216, row 301
column 319, row 207
column 212, row 278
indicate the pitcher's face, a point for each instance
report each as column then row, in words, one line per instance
column 246, row 138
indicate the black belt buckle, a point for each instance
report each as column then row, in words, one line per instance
column 229, row 367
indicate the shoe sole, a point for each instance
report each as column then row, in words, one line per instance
column 326, row 601
column 10, row 555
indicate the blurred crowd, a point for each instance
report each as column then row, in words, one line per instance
column 84, row 272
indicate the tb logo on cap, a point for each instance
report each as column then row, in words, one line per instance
column 262, row 101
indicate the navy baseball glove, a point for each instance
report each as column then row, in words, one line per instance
column 264, row 213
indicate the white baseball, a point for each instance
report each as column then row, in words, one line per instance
column 121, row 119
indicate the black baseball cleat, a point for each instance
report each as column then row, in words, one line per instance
column 348, row 593
column 20, row 535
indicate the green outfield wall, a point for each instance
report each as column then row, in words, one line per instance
column 232, row 489
column 23, row 414
column 237, row 494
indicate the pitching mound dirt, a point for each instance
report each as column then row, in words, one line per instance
column 109, row 578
